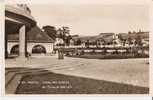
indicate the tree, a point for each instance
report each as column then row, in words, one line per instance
column 129, row 41
column 98, row 43
column 68, row 38
column 123, row 41
column 139, row 41
column 104, row 44
column 78, row 41
column 87, row 44
column 129, row 32
column 64, row 34
column 51, row 31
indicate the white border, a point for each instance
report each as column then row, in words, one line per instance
column 151, row 48
column 81, row 1
column 74, row 2
column 2, row 61
column 80, row 98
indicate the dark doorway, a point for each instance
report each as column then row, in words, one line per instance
column 15, row 50
column 38, row 49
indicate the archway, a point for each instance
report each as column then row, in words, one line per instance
column 15, row 50
column 38, row 49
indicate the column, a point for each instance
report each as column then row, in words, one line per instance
column 6, row 45
column 22, row 34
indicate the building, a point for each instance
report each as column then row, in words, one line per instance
column 22, row 34
column 107, row 37
column 38, row 42
column 144, row 36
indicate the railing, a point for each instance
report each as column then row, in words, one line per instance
column 104, row 49
column 98, row 47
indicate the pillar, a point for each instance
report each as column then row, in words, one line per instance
column 22, row 34
column 6, row 45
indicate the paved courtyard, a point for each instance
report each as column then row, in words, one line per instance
column 127, row 71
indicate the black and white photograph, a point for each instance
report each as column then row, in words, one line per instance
column 76, row 49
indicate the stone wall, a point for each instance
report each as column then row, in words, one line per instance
column 47, row 46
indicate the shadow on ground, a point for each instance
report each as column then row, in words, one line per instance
column 52, row 83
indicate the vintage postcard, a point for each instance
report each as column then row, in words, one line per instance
column 79, row 48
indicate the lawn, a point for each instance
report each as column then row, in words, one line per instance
column 52, row 83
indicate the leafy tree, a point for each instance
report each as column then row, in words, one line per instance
column 98, row 43
column 129, row 32
column 67, row 41
column 129, row 41
column 64, row 34
column 87, row 43
column 104, row 44
column 139, row 40
column 79, row 41
column 123, row 41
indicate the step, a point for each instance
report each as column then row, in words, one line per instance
column 11, row 88
column 14, row 68
column 8, row 78
column 7, row 70
column 10, row 75
column 22, row 70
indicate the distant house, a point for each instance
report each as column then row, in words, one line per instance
column 107, row 37
column 143, row 35
column 38, row 42
column 120, row 39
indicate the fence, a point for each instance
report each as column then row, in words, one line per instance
column 108, row 49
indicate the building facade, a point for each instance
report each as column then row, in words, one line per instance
column 22, row 35
column 38, row 42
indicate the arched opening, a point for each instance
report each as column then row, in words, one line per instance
column 15, row 50
column 38, row 49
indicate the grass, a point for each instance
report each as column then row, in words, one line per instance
column 74, row 85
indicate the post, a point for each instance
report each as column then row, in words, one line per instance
column 60, row 53
column 22, row 34
column 6, row 45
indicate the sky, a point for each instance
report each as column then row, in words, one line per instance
column 92, row 19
